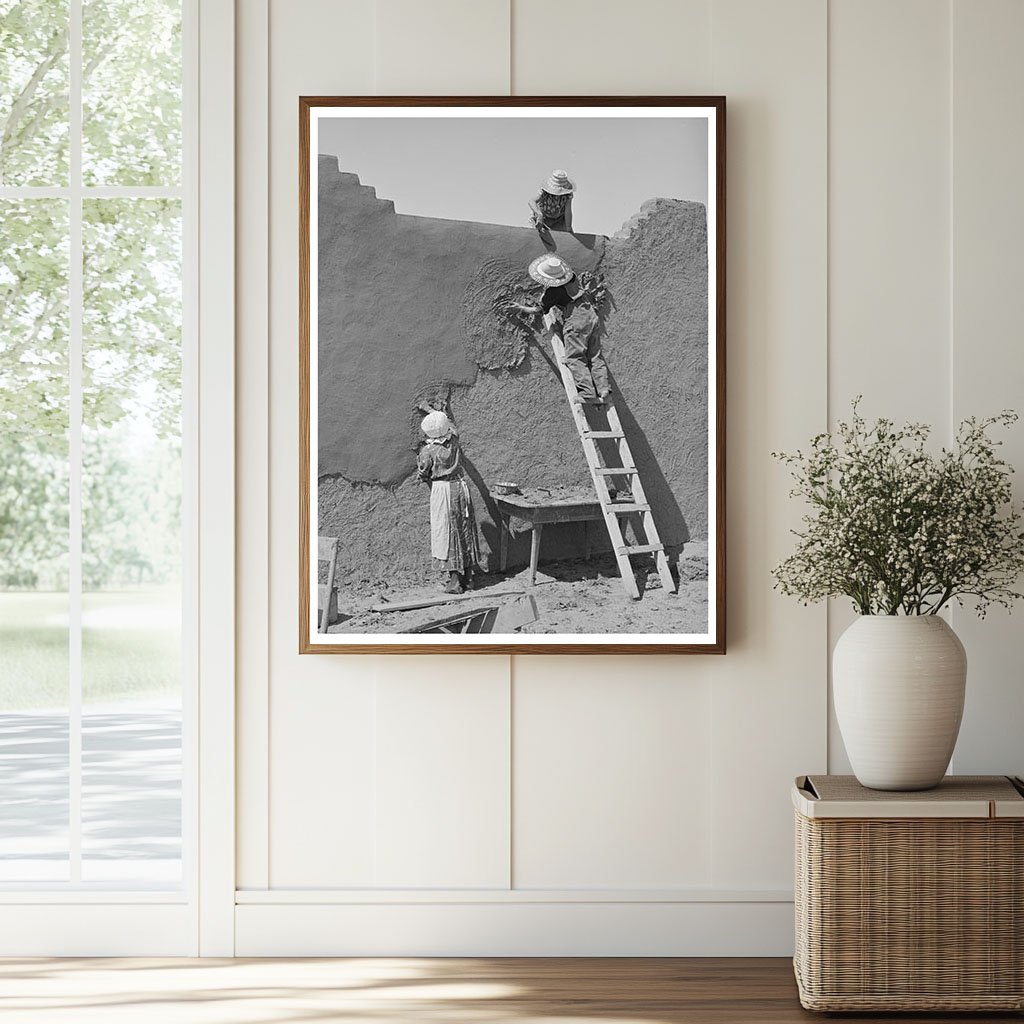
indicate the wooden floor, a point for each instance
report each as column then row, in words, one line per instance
column 381, row 991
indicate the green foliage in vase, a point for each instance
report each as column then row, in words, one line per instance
column 900, row 529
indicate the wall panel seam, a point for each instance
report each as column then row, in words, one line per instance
column 253, row 451
column 828, row 343
column 950, row 300
column 266, row 273
column 511, row 54
column 510, row 712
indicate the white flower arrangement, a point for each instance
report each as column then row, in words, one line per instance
column 900, row 530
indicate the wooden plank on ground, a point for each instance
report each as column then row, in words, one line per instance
column 430, row 602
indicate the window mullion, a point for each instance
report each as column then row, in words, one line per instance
column 75, row 334
column 95, row 191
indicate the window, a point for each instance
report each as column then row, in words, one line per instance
column 95, row 473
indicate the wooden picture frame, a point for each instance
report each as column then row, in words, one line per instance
column 339, row 544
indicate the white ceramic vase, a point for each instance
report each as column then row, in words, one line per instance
column 898, row 684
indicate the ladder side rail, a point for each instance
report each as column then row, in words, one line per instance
column 598, row 480
column 650, row 530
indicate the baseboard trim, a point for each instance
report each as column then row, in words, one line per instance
column 82, row 929
column 516, row 928
column 349, row 897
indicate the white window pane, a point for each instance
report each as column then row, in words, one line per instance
column 131, row 541
column 33, row 92
column 132, row 318
column 34, row 806
column 131, row 92
column 131, row 763
column 33, row 540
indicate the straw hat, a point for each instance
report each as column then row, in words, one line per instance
column 550, row 270
column 558, row 184
column 436, row 425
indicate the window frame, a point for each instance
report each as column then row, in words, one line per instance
column 73, row 917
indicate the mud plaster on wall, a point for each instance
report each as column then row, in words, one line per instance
column 405, row 313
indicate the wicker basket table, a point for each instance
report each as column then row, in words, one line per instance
column 910, row 901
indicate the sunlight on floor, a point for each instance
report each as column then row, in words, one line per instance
column 142, row 991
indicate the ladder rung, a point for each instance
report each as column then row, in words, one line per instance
column 621, row 509
column 603, row 433
column 640, row 549
column 616, row 471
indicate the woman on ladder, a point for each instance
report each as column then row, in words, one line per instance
column 568, row 311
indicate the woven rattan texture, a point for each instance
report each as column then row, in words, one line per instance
column 910, row 914
column 960, row 787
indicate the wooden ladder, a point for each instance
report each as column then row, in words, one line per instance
column 602, row 474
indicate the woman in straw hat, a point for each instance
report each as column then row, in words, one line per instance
column 453, row 540
column 551, row 209
column 567, row 308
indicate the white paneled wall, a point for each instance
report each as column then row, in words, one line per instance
column 577, row 47
column 889, row 199
column 925, row 217
column 626, row 805
column 889, row 211
column 442, row 801
column 986, row 369
column 612, row 781
column 441, row 48
column 768, row 694
column 318, row 819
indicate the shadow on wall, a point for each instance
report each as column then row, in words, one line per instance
column 670, row 519
column 490, row 518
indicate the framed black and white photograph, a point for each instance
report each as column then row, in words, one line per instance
column 511, row 352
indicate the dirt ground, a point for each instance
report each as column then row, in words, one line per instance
column 578, row 596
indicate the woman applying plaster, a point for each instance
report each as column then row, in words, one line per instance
column 568, row 310
column 453, row 540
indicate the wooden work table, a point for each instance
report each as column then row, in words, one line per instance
column 538, row 510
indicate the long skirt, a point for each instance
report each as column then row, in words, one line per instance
column 453, row 540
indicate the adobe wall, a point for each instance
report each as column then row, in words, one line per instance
column 406, row 313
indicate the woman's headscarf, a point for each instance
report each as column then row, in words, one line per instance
column 436, row 425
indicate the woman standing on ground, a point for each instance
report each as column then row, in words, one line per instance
column 453, row 540
column 551, row 208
